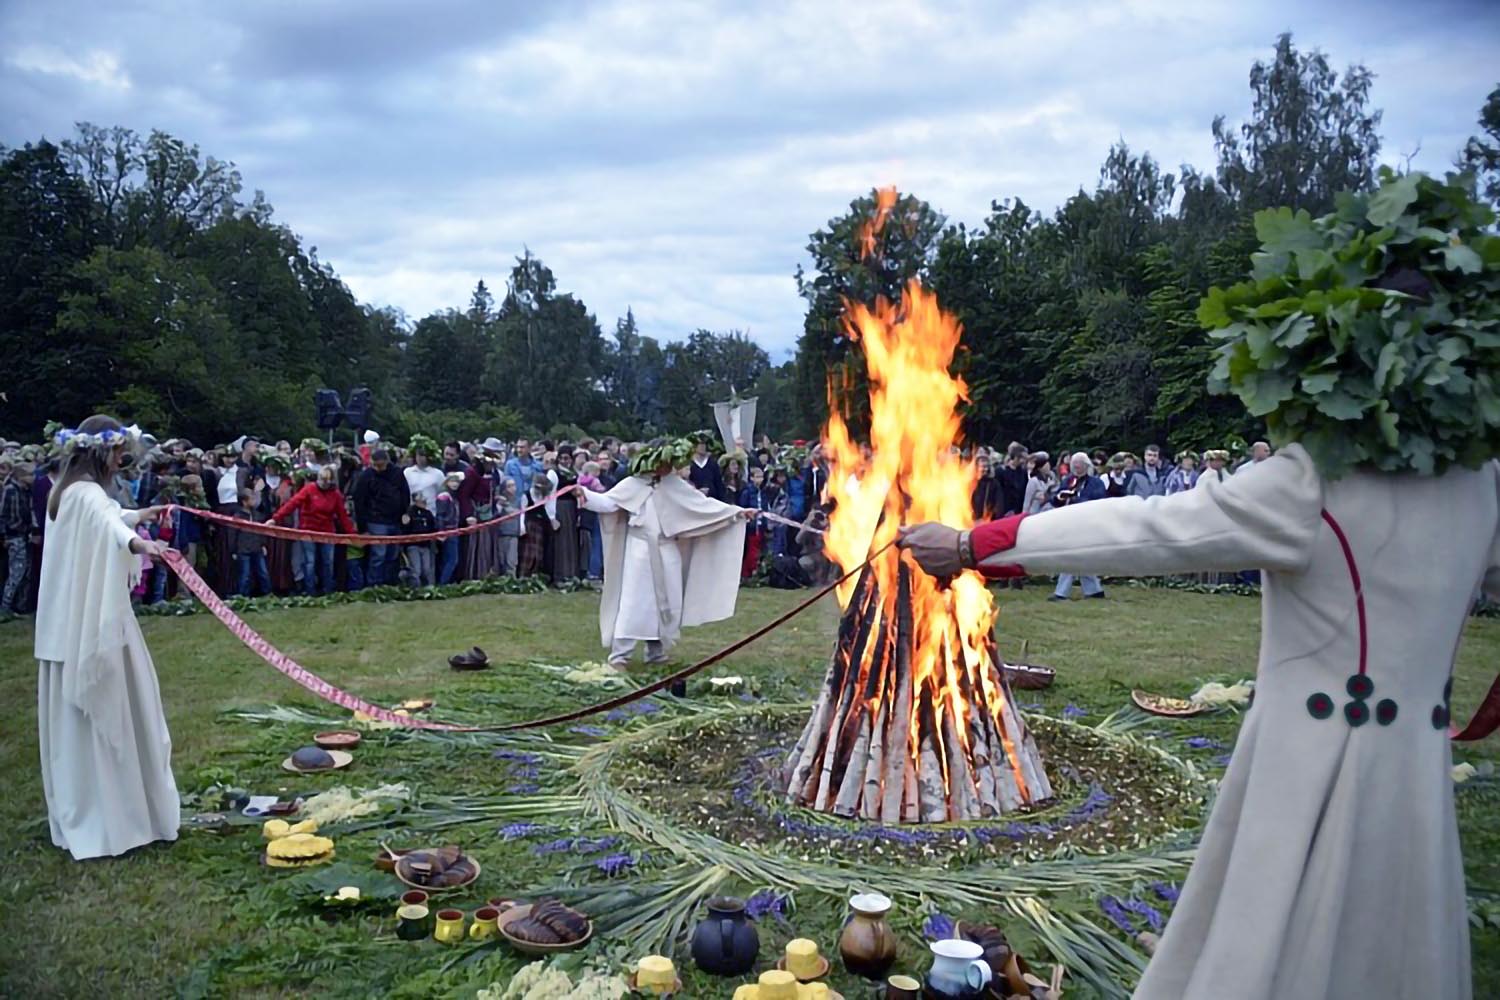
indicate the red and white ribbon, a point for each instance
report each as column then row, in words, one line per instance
column 298, row 535
column 276, row 658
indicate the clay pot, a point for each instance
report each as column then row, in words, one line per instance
column 725, row 943
column 867, row 944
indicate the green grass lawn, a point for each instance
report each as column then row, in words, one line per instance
column 202, row 917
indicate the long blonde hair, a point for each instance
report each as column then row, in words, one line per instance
column 91, row 463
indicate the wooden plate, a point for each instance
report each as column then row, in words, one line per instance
column 337, row 739
column 532, row 947
column 1157, row 704
column 341, row 758
column 630, row 983
column 401, row 872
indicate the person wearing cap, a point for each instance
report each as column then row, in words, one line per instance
column 381, row 497
column 1214, row 471
column 445, row 514
column 366, row 450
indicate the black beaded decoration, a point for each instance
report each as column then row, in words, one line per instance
column 1319, row 705
column 1441, row 713
column 1385, row 712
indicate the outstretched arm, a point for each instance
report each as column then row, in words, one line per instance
column 1265, row 518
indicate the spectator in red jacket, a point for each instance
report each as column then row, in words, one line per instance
column 322, row 508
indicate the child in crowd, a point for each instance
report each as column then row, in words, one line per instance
column 418, row 520
column 510, row 528
column 446, row 518
column 753, row 497
column 588, row 521
column 250, row 549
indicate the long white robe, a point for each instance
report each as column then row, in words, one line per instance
column 105, row 749
column 1330, row 866
column 671, row 558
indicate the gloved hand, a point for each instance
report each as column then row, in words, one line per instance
column 937, row 548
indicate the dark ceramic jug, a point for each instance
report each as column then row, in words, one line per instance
column 725, row 943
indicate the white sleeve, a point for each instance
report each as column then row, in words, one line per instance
column 551, row 506
column 115, row 520
column 1265, row 518
column 599, row 503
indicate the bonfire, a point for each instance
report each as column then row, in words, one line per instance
column 915, row 722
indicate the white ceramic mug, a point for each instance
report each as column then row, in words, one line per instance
column 958, row 968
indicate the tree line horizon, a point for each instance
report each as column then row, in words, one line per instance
column 136, row 280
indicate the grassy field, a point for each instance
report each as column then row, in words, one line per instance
column 203, row 918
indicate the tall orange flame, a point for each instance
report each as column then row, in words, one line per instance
column 911, row 474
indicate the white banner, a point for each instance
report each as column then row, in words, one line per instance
column 736, row 420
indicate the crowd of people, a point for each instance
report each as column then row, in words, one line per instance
column 1026, row 482
column 380, row 488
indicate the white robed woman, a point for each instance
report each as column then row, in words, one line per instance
column 671, row 555
column 106, row 753
column 1330, row 866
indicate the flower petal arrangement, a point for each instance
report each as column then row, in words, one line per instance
column 1371, row 336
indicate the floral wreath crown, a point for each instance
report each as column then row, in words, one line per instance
column 69, row 440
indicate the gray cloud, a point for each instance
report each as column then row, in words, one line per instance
column 673, row 157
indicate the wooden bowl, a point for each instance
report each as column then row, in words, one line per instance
column 337, row 739
column 401, row 870
column 1029, row 677
column 532, row 947
column 1173, row 708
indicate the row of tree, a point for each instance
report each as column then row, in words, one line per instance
column 136, row 278
column 1080, row 326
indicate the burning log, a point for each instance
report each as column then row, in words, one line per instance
column 887, row 743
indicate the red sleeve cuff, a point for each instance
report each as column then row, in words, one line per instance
column 997, row 536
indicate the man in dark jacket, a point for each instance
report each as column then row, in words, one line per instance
column 1012, row 478
column 704, row 473
column 381, row 497
column 1080, row 486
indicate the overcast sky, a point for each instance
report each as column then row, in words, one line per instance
column 673, row 157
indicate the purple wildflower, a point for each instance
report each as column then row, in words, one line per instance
column 594, row 731
column 1203, row 743
column 614, row 864
column 554, row 846
column 1165, row 891
column 519, row 831
column 593, row 845
column 517, row 756
column 765, row 903
column 938, row 927
column 1072, row 711
column 1145, row 910
column 1095, row 802
column 1116, row 914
